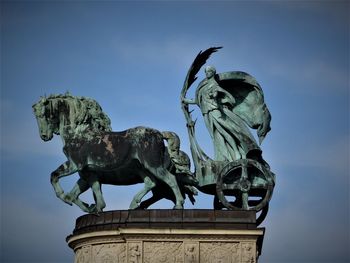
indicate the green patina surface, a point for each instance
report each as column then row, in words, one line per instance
column 231, row 104
column 101, row 156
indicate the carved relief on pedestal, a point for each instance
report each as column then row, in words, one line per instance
column 134, row 252
column 163, row 252
column 83, row 255
column 109, row 253
column 219, row 252
column 248, row 252
column 191, row 253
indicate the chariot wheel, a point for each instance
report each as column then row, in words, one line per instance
column 247, row 182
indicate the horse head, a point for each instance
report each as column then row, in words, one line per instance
column 67, row 115
column 44, row 116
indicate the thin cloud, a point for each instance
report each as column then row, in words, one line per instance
column 20, row 133
column 331, row 156
column 176, row 51
column 22, row 138
column 320, row 75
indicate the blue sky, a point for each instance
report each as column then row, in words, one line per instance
column 132, row 57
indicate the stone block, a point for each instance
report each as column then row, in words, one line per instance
column 176, row 236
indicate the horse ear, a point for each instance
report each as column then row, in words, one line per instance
column 44, row 100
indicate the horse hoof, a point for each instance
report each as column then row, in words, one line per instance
column 96, row 214
column 178, row 207
column 92, row 209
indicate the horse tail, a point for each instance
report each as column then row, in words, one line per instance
column 182, row 163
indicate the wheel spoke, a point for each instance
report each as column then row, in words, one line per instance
column 244, row 172
column 260, row 186
column 245, row 201
column 232, row 186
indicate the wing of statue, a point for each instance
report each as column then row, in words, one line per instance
column 249, row 100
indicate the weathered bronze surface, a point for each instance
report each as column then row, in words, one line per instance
column 237, row 176
column 230, row 103
column 101, row 156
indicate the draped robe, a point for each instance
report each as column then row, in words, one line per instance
column 229, row 132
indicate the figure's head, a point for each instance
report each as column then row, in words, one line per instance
column 45, row 124
column 210, row 71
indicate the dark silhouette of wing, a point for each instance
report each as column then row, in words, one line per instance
column 198, row 62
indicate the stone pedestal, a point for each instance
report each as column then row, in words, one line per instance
column 186, row 236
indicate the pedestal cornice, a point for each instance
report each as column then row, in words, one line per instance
column 167, row 236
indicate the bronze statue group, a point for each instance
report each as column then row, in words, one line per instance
column 230, row 104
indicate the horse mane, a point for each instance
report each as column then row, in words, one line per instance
column 81, row 112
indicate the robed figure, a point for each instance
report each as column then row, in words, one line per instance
column 230, row 103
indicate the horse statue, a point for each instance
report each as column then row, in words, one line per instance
column 101, row 156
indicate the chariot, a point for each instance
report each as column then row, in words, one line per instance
column 238, row 177
column 246, row 183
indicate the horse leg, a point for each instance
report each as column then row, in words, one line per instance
column 149, row 185
column 150, row 201
column 100, row 202
column 63, row 170
column 80, row 187
column 170, row 179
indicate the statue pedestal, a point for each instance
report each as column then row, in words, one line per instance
column 167, row 236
